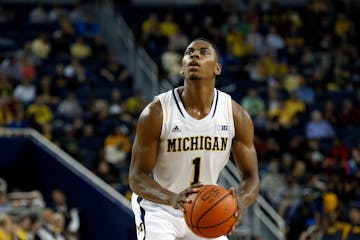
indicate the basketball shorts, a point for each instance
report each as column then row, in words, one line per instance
column 161, row 222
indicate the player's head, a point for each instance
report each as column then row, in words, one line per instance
column 201, row 60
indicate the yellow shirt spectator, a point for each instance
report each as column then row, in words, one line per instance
column 239, row 47
column 168, row 27
column 288, row 110
column 151, row 23
column 79, row 49
column 118, row 138
column 40, row 111
column 40, row 46
column 342, row 25
column 6, row 116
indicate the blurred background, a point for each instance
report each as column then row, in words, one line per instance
column 74, row 76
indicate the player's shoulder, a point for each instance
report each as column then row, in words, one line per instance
column 152, row 111
column 239, row 113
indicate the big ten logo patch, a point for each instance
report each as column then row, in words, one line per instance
column 211, row 195
column 222, row 127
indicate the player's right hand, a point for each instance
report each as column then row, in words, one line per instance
column 183, row 197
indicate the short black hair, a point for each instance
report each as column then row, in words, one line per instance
column 213, row 45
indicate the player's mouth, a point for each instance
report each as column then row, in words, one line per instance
column 193, row 65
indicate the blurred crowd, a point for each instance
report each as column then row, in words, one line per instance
column 295, row 69
column 24, row 215
column 57, row 75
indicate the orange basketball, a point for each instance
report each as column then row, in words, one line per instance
column 211, row 213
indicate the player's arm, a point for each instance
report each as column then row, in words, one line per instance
column 244, row 154
column 144, row 156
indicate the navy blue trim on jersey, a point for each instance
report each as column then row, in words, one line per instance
column 177, row 104
column 142, row 216
column 216, row 102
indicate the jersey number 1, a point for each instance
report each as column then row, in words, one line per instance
column 196, row 162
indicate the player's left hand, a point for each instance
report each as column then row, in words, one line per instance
column 184, row 196
column 241, row 209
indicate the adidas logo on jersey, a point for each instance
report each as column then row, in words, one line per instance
column 176, row 129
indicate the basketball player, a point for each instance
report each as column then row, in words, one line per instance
column 184, row 138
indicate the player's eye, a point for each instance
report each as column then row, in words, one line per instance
column 204, row 52
column 189, row 51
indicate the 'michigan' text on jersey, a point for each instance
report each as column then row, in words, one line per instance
column 193, row 150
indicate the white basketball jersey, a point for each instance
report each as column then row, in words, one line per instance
column 193, row 150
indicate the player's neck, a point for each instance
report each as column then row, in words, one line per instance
column 197, row 99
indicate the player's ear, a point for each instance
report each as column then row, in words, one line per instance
column 218, row 68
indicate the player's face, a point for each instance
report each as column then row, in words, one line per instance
column 200, row 61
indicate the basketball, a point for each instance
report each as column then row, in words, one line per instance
column 211, row 212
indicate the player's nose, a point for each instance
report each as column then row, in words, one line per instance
column 195, row 54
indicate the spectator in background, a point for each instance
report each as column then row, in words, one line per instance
column 75, row 71
column 272, row 180
column 103, row 171
column 6, row 115
column 330, row 113
column 38, row 15
column 87, row 27
column 55, row 12
column 274, row 41
column 40, row 46
column 25, row 91
column 89, row 144
column 179, row 40
column 292, row 80
column 46, row 230
column 47, row 90
column 6, row 227
column 70, row 106
column 136, row 103
column 58, row 223
column 116, row 106
column 288, row 111
column 19, row 120
column 22, row 229
column 76, row 14
column 47, row 131
column 318, row 128
column 28, row 69
column 115, row 72
column 11, row 68
column 256, row 41
column 342, row 25
column 5, row 205
column 171, row 62
column 168, row 27
column 79, row 49
column 117, row 147
column 69, row 142
column 252, row 103
column 287, row 196
column 70, row 224
column 354, row 161
column 350, row 115
column 99, row 48
column 354, row 217
column 39, row 111
column 5, row 86
column 64, row 27
column 150, row 24
column 305, row 92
